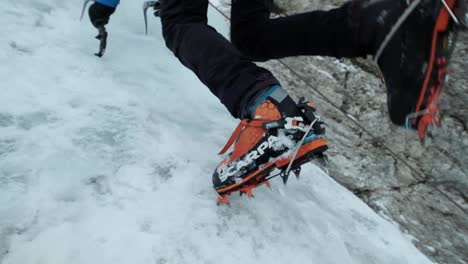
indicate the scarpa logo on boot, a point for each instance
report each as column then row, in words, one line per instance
column 253, row 155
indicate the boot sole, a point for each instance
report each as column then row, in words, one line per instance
column 306, row 153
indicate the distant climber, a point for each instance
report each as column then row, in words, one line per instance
column 99, row 14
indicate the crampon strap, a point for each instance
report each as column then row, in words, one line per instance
column 243, row 124
column 430, row 116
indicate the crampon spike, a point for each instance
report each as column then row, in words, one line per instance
column 223, row 200
column 321, row 161
column 285, row 177
column 268, row 184
column 297, row 172
column 248, row 190
column 431, row 119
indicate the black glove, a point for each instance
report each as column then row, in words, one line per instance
column 157, row 9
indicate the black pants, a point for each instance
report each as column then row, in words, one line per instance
column 99, row 14
column 326, row 33
column 227, row 69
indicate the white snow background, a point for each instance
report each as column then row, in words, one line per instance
column 110, row 160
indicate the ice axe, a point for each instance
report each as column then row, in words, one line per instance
column 146, row 5
column 85, row 3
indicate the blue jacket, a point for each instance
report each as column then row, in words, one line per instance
column 109, row 3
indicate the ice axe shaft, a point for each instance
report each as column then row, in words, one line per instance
column 146, row 5
column 85, row 3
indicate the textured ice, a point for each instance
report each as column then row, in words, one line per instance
column 110, row 160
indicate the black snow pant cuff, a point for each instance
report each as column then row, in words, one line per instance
column 229, row 74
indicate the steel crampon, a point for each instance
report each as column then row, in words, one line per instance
column 268, row 174
column 445, row 37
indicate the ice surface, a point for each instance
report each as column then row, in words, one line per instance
column 110, row 160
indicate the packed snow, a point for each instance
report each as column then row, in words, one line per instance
column 110, row 160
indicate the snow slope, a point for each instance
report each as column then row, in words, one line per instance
column 110, row 160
